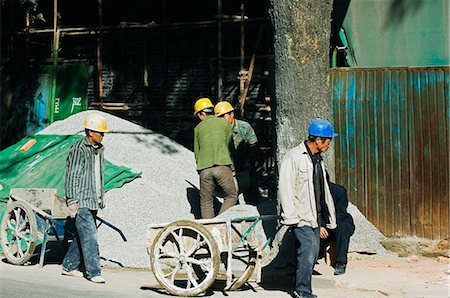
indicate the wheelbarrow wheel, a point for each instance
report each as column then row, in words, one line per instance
column 184, row 258
column 18, row 232
column 245, row 258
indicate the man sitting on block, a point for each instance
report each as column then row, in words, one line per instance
column 344, row 230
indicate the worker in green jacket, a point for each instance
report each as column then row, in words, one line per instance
column 213, row 147
column 245, row 153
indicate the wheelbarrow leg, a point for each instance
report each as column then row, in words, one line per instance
column 230, row 253
column 44, row 243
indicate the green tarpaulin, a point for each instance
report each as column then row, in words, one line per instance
column 43, row 165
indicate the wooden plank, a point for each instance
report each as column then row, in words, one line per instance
column 381, row 152
column 433, row 158
column 343, row 138
column 350, row 106
column 386, row 190
column 367, row 147
column 417, row 156
column 402, row 152
column 395, row 130
column 395, row 153
column 335, row 101
column 444, row 134
column 359, row 191
column 373, row 208
column 426, row 153
column 40, row 198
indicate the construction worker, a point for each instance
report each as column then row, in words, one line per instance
column 245, row 154
column 213, row 147
column 344, row 230
column 306, row 200
column 85, row 166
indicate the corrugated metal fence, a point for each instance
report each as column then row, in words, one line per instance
column 393, row 146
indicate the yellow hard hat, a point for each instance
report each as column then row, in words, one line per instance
column 95, row 122
column 222, row 108
column 201, row 104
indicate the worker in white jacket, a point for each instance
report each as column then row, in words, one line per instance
column 306, row 201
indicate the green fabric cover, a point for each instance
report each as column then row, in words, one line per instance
column 43, row 165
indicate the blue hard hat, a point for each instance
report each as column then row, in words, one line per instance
column 321, row 128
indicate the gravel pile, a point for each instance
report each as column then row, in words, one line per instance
column 161, row 194
column 366, row 236
column 165, row 192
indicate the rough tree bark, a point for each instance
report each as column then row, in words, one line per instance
column 301, row 45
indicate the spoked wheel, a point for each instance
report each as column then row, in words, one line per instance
column 185, row 258
column 242, row 258
column 18, row 232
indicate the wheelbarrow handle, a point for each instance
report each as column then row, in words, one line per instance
column 102, row 221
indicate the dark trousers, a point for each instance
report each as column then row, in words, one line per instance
column 307, row 254
column 345, row 225
column 341, row 235
column 248, row 185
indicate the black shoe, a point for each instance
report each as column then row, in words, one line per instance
column 296, row 294
column 339, row 269
column 316, row 272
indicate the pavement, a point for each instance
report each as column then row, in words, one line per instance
column 366, row 276
column 384, row 276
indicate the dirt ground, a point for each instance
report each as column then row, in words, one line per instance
column 386, row 276
column 413, row 267
column 408, row 246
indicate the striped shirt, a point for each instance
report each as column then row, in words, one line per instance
column 80, row 183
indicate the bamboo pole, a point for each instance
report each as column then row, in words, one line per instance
column 55, row 50
column 219, row 51
column 250, row 70
column 242, row 33
column 99, row 53
column 68, row 31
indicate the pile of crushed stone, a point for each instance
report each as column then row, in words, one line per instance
column 163, row 193
column 366, row 237
column 166, row 191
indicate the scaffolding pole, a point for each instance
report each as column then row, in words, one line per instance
column 99, row 54
column 219, row 51
column 55, row 50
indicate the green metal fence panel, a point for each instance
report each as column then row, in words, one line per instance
column 71, row 89
column 393, row 149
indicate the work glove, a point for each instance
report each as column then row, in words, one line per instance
column 73, row 209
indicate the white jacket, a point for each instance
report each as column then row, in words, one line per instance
column 296, row 190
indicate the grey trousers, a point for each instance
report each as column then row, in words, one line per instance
column 210, row 179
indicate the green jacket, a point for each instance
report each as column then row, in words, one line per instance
column 245, row 144
column 213, row 143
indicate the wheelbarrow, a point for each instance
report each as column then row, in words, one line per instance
column 187, row 256
column 34, row 215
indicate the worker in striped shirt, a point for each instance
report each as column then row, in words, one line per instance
column 85, row 166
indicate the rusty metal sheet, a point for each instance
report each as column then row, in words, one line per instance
column 393, row 150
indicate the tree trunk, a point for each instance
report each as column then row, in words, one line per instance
column 301, row 44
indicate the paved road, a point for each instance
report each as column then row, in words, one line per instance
column 33, row 281
column 367, row 276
